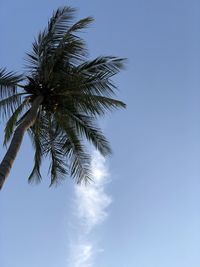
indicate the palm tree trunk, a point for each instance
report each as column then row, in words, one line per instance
column 16, row 141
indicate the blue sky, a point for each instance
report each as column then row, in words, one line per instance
column 154, row 173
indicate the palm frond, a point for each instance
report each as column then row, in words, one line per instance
column 35, row 174
column 71, row 47
column 74, row 149
column 58, row 167
column 38, row 135
column 60, row 22
column 80, row 166
column 80, row 162
column 87, row 128
column 66, row 45
column 70, row 50
column 105, row 67
column 81, row 24
column 12, row 122
column 58, row 46
column 94, row 77
column 48, row 143
column 8, row 82
column 10, row 104
column 47, row 40
column 96, row 105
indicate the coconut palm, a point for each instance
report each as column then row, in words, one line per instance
column 58, row 101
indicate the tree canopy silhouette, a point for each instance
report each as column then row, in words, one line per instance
column 58, row 101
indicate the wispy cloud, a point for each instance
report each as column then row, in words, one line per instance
column 82, row 255
column 91, row 202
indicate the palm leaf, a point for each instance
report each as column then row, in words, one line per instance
column 79, row 159
column 48, row 143
column 93, row 77
column 48, row 40
column 60, row 22
column 35, row 174
column 58, row 167
column 103, row 66
column 96, row 105
column 86, row 127
column 10, row 104
column 38, row 134
column 8, row 82
column 12, row 122
column 72, row 46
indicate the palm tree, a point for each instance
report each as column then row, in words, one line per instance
column 58, row 101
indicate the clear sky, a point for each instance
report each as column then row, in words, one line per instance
column 154, row 173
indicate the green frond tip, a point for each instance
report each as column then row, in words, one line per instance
column 81, row 24
column 103, row 63
column 61, row 16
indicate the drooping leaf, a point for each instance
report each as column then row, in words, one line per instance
column 8, row 82
column 10, row 104
column 11, row 123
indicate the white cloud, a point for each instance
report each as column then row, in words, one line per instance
column 91, row 202
column 82, row 255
